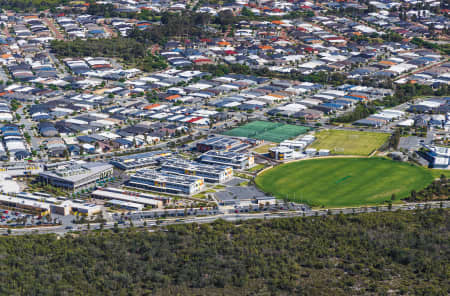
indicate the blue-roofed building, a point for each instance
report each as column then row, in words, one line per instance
column 353, row 98
column 41, row 117
column 334, row 106
column 74, row 149
column 345, row 103
column 9, row 128
column 122, row 143
column 12, row 134
column 86, row 139
column 345, row 87
column 47, row 129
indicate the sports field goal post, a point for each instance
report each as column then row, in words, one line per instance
column 339, row 149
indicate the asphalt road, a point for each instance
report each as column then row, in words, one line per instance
column 63, row 229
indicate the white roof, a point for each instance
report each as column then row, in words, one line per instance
column 202, row 121
column 297, row 90
column 15, row 145
column 204, row 113
column 431, row 104
column 200, row 85
column 98, row 115
column 311, row 64
column 401, row 68
column 76, row 121
column 160, row 115
column 25, row 202
column 104, row 122
column 337, row 93
column 293, row 107
column 311, row 101
column 392, row 111
column 389, row 116
column 12, row 87
column 88, row 146
column 326, row 97
column 109, row 135
column 176, row 117
column 232, row 104
column 407, row 122
column 364, row 29
column 5, row 116
column 255, row 102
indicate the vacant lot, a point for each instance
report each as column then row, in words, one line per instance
column 349, row 142
column 340, row 182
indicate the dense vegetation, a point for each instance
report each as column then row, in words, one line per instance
column 186, row 25
column 406, row 92
column 361, row 110
column 367, row 254
column 109, row 11
column 152, row 62
column 129, row 50
column 394, row 139
column 135, row 45
column 442, row 47
column 438, row 190
column 334, row 78
column 135, row 48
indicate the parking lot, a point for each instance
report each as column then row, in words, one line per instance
column 238, row 193
column 14, row 218
column 268, row 208
column 166, row 213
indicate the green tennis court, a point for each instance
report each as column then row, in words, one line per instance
column 268, row 131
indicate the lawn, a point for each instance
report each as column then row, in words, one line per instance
column 341, row 182
column 263, row 149
column 257, row 167
column 349, row 142
column 438, row 173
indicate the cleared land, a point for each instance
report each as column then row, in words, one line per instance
column 349, row 142
column 340, row 182
column 268, row 131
